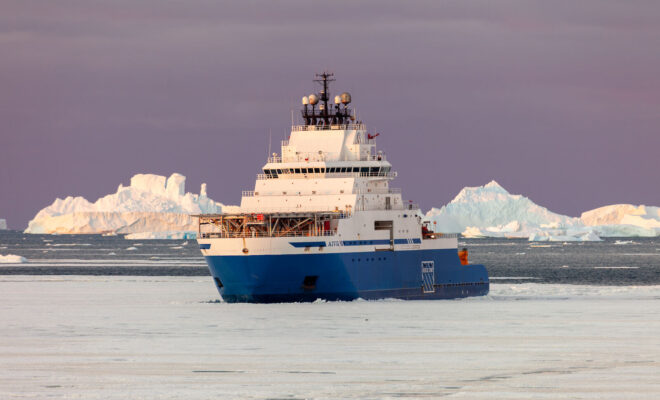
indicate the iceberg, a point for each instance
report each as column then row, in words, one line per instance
column 491, row 206
column 491, row 211
column 569, row 235
column 623, row 220
column 151, row 203
column 3, row 224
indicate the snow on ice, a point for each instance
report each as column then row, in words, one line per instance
column 107, row 337
column 152, row 203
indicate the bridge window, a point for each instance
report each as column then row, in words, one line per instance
column 317, row 170
column 374, row 171
column 304, row 170
column 297, row 170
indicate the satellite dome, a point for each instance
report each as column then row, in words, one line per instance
column 305, row 100
column 337, row 99
column 313, row 99
column 345, row 98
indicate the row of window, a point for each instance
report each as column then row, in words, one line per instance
column 365, row 171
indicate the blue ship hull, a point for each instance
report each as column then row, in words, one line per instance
column 410, row 275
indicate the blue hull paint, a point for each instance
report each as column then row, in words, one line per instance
column 345, row 276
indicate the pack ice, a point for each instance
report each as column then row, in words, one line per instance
column 152, row 206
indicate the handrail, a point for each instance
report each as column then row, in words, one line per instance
column 348, row 127
column 252, row 193
column 206, row 235
column 337, row 213
column 315, row 157
column 328, row 174
column 439, row 235
column 411, row 206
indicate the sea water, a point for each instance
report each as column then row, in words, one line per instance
column 614, row 261
column 92, row 317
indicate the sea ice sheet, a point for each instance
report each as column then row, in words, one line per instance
column 167, row 337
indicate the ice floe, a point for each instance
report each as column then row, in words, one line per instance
column 12, row 259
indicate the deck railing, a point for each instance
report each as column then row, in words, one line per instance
column 348, row 127
column 328, row 175
column 438, row 235
column 252, row 193
column 208, row 235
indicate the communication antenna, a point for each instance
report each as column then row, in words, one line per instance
column 270, row 136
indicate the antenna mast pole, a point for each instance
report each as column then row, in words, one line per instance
column 324, row 78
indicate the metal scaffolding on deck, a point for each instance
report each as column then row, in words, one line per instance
column 244, row 225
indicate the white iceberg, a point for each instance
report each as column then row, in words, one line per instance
column 12, row 259
column 491, row 211
column 3, row 224
column 491, row 206
column 152, row 203
column 624, row 220
column 568, row 235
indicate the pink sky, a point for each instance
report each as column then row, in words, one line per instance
column 557, row 100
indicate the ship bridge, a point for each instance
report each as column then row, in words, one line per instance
column 329, row 163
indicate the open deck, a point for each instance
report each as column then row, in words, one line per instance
column 279, row 224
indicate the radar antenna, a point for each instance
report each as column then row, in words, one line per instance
column 327, row 115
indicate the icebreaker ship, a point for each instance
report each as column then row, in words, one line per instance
column 323, row 223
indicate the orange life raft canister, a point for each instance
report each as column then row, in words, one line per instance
column 463, row 256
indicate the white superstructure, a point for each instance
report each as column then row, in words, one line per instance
column 329, row 181
column 325, row 170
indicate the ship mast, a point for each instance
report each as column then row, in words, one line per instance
column 324, row 79
column 326, row 115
